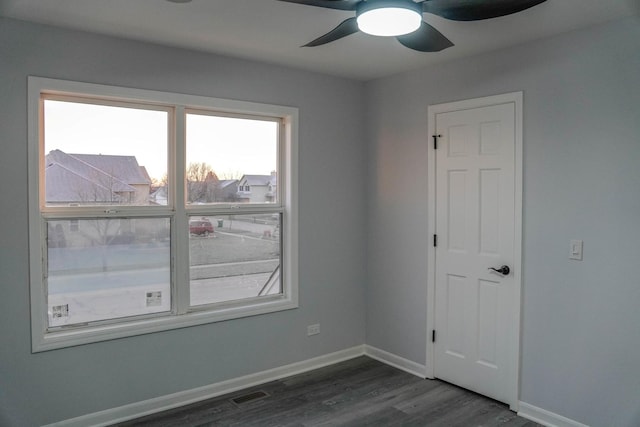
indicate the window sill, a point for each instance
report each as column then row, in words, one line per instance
column 85, row 335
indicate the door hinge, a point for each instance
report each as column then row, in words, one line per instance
column 435, row 141
column 435, row 240
column 433, row 335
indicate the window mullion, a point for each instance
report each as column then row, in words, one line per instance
column 181, row 222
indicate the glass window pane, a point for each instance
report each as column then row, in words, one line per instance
column 104, row 155
column 107, row 269
column 239, row 259
column 231, row 160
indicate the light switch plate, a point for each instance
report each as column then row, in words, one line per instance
column 575, row 250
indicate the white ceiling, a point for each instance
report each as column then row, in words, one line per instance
column 273, row 31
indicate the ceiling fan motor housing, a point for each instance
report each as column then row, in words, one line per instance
column 368, row 5
column 388, row 17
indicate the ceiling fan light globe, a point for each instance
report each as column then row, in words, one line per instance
column 389, row 21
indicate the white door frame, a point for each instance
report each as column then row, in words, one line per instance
column 514, row 331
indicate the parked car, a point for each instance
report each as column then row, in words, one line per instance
column 200, row 227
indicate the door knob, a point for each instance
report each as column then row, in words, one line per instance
column 504, row 270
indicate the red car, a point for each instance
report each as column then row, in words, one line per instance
column 200, row 227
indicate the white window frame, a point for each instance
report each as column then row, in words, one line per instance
column 181, row 314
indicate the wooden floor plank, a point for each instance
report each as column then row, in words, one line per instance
column 357, row 392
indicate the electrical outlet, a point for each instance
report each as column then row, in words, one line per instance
column 313, row 329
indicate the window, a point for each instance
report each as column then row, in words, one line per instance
column 141, row 217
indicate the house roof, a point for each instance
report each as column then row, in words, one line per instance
column 126, row 168
column 64, row 186
column 144, row 173
column 259, row 179
column 84, row 177
column 227, row 182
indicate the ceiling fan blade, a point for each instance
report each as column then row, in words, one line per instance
column 346, row 28
column 425, row 39
column 475, row 10
column 329, row 4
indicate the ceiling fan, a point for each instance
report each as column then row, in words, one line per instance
column 403, row 18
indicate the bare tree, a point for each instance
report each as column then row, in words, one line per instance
column 160, row 182
column 202, row 183
column 231, row 175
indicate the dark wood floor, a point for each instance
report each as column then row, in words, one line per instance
column 358, row 392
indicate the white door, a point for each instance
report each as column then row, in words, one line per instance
column 475, row 209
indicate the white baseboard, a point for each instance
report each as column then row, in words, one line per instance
column 544, row 417
column 163, row 403
column 396, row 361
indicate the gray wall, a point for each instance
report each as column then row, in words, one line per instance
column 42, row 388
column 581, row 320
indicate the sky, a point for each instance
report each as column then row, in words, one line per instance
column 232, row 146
